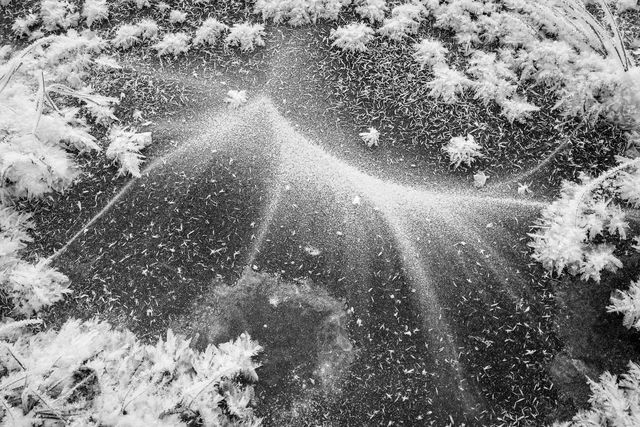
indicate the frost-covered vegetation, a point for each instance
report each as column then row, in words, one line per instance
column 245, row 36
column 353, row 37
column 210, row 32
column 91, row 374
column 614, row 402
column 173, row 44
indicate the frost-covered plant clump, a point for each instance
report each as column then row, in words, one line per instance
column 28, row 287
column 565, row 235
column 36, row 128
column 90, row 374
column 627, row 303
column 177, row 16
column 148, row 29
column 22, row 27
column 405, row 20
column 371, row 137
column 447, row 84
column 124, row 149
column 128, row 35
column 173, row 44
column 373, row 10
column 209, row 32
column 493, row 79
column 580, row 58
column 95, row 11
column 353, row 37
column 614, row 402
column 429, row 52
column 517, row 108
column 246, row 36
column 299, row 12
column 31, row 287
column 58, row 15
column 462, row 149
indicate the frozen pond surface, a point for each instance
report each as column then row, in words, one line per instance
column 375, row 299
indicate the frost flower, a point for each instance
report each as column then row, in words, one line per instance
column 628, row 304
column 371, row 137
column 373, row 10
column 22, row 26
column 405, row 19
column 95, row 11
column 236, row 98
column 57, row 14
column 448, row 83
column 173, row 43
column 352, row 37
column 126, row 36
column 462, row 150
column 124, row 149
column 246, row 36
column 429, row 53
column 148, row 28
column 177, row 17
column 209, row 32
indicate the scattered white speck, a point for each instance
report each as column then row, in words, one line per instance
column 480, row 179
column 356, row 200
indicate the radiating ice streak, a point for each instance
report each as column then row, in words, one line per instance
column 528, row 173
column 223, row 125
column 305, row 162
column 467, row 232
column 422, row 280
column 104, row 210
column 265, row 222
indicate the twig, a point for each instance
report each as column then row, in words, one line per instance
column 39, row 101
column 75, row 387
column 6, row 405
column 51, row 408
column 15, row 357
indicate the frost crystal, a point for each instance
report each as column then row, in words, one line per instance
column 462, row 150
column 236, row 98
column 353, row 37
column 246, row 36
column 173, row 43
column 209, row 32
column 371, row 137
